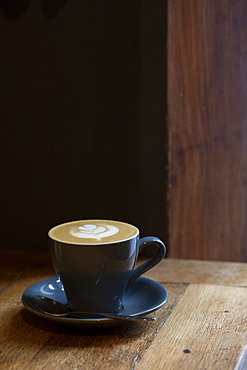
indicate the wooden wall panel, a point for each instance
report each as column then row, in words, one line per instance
column 207, row 129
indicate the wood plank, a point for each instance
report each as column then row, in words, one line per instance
column 194, row 271
column 14, row 290
column 22, row 334
column 20, row 339
column 207, row 329
column 109, row 348
column 207, row 110
column 6, row 280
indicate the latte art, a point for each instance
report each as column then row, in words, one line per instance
column 93, row 231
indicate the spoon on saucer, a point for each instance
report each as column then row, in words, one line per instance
column 54, row 308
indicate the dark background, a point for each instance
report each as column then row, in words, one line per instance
column 83, row 112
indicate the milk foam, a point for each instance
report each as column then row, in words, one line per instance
column 93, row 231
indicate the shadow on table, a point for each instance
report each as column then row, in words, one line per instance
column 130, row 329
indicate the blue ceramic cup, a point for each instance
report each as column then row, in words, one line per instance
column 95, row 260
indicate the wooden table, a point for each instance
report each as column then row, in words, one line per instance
column 202, row 325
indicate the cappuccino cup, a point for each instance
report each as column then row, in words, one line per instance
column 95, row 261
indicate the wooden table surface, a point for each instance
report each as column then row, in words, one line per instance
column 202, row 325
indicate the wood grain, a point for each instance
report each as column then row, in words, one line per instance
column 6, row 280
column 200, row 272
column 207, row 330
column 49, row 346
column 207, row 112
column 202, row 326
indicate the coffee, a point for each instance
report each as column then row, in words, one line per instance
column 93, row 232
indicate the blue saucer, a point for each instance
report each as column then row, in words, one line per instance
column 142, row 297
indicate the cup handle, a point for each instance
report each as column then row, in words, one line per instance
column 161, row 251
